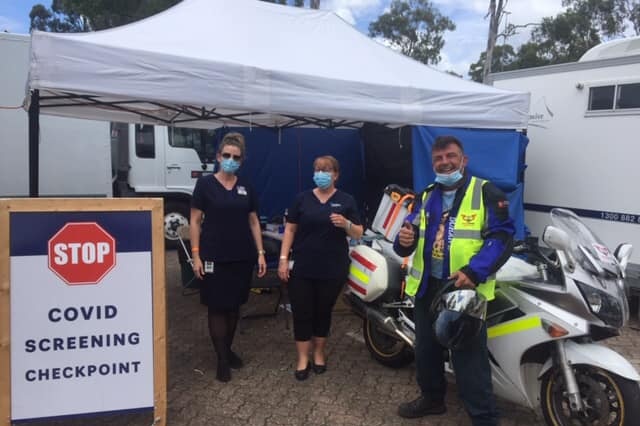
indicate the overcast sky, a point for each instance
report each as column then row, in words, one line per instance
column 462, row 46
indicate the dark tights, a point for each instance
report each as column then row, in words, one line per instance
column 222, row 328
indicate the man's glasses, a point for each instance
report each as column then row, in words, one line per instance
column 226, row 156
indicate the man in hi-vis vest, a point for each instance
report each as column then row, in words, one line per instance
column 460, row 229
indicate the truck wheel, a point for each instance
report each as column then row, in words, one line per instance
column 609, row 400
column 386, row 349
column 175, row 215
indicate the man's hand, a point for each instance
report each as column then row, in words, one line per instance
column 462, row 280
column 406, row 236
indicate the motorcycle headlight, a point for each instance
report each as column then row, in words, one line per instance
column 603, row 305
column 595, row 301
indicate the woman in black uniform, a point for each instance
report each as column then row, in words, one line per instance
column 318, row 224
column 226, row 239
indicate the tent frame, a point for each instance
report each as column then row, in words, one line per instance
column 188, row 113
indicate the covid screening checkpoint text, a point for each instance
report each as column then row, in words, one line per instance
column 103, row 341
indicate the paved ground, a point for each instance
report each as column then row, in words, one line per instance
column 356, row 390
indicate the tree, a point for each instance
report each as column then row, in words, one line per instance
column 495, row 14
column 83, row 15
column 503, row 59
column 610, row 17
column 415, row 27
column 568, row 35
column 56, row 20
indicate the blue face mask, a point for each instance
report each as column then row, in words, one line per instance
column 322, row 179
column 449, row 179
column 229, row 165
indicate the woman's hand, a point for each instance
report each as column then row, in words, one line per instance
column 198, row 268
column 262, row 265
column 283, row 270
column 339, row 221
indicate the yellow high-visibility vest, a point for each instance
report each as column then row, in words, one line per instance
column 465, row 243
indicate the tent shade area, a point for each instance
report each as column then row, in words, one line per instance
column 205, row 63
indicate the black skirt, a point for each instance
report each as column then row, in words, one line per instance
column 228, row 286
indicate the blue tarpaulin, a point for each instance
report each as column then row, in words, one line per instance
column 496, row 155
column 279, row 162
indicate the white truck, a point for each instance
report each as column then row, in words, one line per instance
column 94, row 158
column 584, row 144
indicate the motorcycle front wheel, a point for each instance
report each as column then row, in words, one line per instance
column 385, row 348
column 609, row 400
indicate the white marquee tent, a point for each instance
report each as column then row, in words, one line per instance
column 204, row 63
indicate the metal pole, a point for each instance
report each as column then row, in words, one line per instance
column 34, row 137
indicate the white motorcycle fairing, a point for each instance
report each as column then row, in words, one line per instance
column 596, row 355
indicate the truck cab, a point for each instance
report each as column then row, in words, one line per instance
column 159, row 161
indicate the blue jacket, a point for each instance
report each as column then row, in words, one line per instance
column 498, row 236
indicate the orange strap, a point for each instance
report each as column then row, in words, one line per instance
column 396, row 210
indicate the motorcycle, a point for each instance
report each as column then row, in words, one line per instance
column 551, row 307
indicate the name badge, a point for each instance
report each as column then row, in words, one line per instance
column 208, row 267
column 242, row 190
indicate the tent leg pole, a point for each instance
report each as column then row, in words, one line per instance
column 34, row 137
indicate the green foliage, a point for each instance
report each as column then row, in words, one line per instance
column 415, row 27
column 503, row 59
column 609, row 17
column 568, row 35
column 88, row 15
column 564, row 38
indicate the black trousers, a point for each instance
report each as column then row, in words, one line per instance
column 471, row 365
column 312, row 302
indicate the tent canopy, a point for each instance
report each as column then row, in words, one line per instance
column 204, row 63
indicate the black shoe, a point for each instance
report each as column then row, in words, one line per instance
column 303, row 374
column 223, row 373
column 235, row 361
column 421, row 407
column 319, row 368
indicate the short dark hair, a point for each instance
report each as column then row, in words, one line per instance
column 442, row 142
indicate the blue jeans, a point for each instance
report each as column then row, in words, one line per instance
column 471, row 366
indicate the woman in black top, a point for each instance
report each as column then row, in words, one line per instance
column 225, row 235
column 318, row 224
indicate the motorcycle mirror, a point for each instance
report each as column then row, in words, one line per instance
column 556, row 238
column 623, row 254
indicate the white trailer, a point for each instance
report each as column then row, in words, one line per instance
column 94, row 158
column 75, row 153
column 584, row 144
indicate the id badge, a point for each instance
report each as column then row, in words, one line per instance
column 242, row 190
column 208, row 267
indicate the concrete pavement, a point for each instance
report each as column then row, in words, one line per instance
column 356, row 390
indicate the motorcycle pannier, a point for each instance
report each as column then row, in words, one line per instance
column 392, row 210
column 372, row 275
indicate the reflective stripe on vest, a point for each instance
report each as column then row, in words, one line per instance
column 466, row 242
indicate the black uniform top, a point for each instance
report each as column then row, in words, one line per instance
column 320, row 249
column 225, row 235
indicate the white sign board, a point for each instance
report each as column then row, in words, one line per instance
column 81, row 313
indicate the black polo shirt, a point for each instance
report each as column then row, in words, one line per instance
column 320, row 249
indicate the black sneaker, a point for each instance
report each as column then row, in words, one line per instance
column 421, row 407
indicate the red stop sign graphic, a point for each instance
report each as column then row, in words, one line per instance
column 82, row 253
